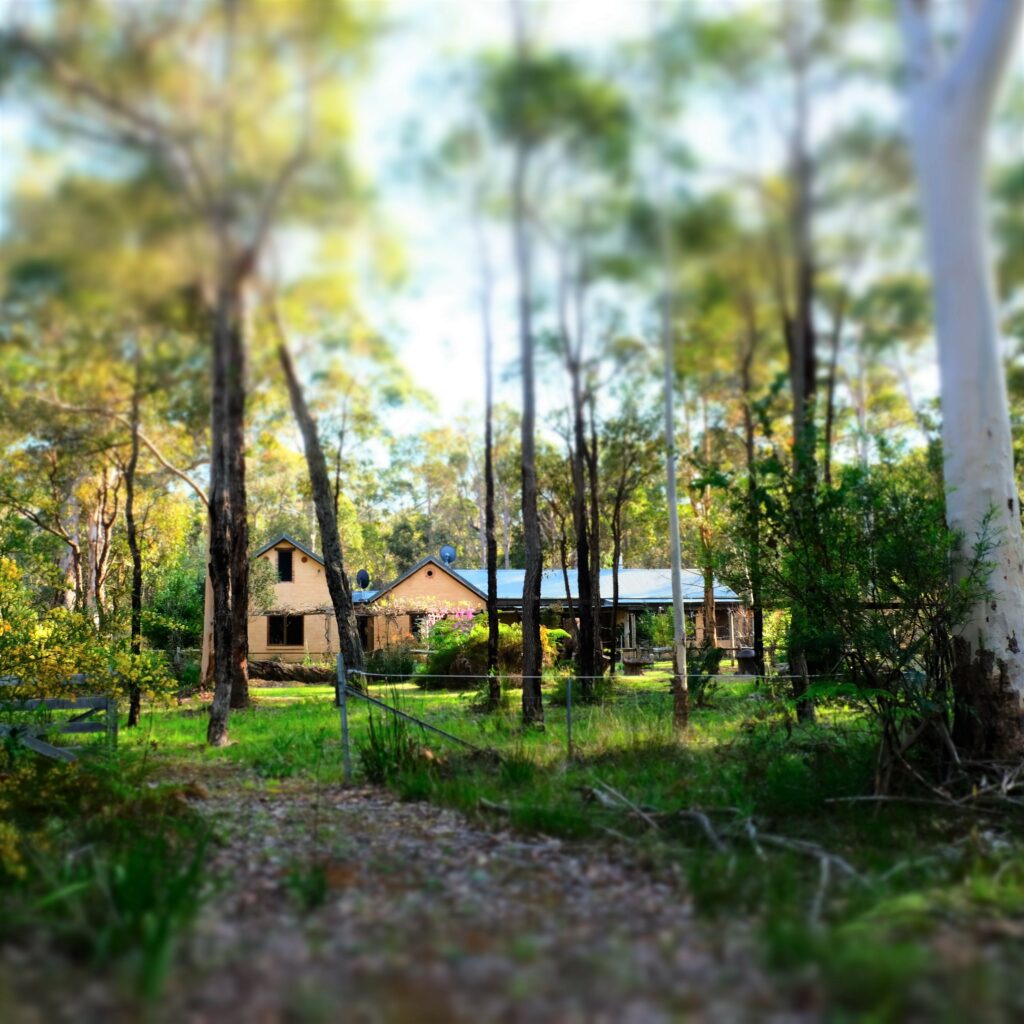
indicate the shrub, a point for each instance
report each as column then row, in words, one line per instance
column 388, row 749
column 655, row 628
column 702, row 664
column 457, row 654
column 398, row 660
column 46, row 648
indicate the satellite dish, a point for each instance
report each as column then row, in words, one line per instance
column 448, row 554
column 362, row 579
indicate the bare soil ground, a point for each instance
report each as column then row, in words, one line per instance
column 349, row 905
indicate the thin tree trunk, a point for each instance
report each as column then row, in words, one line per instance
column 533, row 707
column 320, row 481
column 593, row 473
column 616, row 556
column 219, row 564
column 135, row 695
column 235, row 462
column 490, row 541
column 830, row 390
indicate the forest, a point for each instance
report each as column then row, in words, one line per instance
column 511, row 511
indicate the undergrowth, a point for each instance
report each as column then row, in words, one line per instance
column 104, row 865
column 877, row 946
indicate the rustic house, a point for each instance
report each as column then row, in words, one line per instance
column 301, row 619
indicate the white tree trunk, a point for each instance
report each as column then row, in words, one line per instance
column 949, row 113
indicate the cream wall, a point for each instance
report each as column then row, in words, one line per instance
column 320, row 636
column 308, row 588
column 306, row 591
column 429, row 586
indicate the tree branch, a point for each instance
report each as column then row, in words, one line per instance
column 143, row 438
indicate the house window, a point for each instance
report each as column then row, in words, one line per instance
column 284, row 565
column 285, row 630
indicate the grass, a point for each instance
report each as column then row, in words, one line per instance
column 888, row 946
column 106, row 867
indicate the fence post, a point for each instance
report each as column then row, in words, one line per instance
column 111, row 723
column 342, row 700
column 568, row 713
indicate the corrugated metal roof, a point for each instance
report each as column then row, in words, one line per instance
column 636, row 586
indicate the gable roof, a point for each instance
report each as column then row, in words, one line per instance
column 289, row 540
column 431, row 560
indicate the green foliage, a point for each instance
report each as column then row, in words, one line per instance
column 174, row 617
column 388, row 749
column 396, row 661
column 456, row 652
column 44, row 649
column 702, row 664
column 551, row 98
column 655, row 628
column 112, row 868
column 876, row 581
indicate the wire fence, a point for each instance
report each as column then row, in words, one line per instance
column 636, row 709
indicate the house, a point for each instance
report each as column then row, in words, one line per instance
column 301, row 621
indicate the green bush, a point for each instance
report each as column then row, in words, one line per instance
column 655, row 629
column 456, row 653
column 398, row 660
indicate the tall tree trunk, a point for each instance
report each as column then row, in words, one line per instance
column 616, row 556
column 801, row 336
column 830, row 388
column 593, row 476
column 135, row 695
column 680, row 687
column 533, row 707
column 220, row 546
column 320, row 481
column 490, row 541
column 235, row 462
column 950, row 111
column 585, row 664
column 753, row 501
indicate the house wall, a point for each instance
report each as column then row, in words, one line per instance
column 307, row 589
column 430, row 586
column 320, row 633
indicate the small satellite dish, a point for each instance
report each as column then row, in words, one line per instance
column 448, row 554
column 362, row 579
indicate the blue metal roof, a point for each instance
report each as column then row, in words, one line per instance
column 636, row 586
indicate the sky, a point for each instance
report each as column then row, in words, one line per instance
column 435, row 320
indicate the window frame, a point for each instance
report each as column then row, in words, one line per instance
column 285, row 621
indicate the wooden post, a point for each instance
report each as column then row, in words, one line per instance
column 568, row 714
column 112, row 723
column 342, row 700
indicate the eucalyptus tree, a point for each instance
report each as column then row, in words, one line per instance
column 629, row 462
column 555, row 118
column 951, row 99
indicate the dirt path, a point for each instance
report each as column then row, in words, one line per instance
column 426, row 917
column 421, row 916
